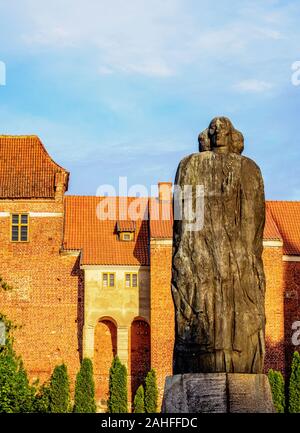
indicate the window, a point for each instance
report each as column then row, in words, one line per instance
column 108, row 280
column 131, row 280
column 19, row 228
column 127, row 236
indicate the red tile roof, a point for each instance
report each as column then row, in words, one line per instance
column 126, row 226
column 286, row 215
column 26, row 169
column 98, row 238
column 271, row 232
column 161, row 219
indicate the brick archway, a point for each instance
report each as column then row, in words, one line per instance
column 140, row 353
column 105, row 348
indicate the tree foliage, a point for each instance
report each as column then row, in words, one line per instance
column 117, row 402
column 278, row 390
column 59, row 390
column 85, row 389
column 16, row 394
column 151, row 392
column 139, row 400
column 294, row 385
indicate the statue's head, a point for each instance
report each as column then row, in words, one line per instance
column 219, row 132
column 204, row 141
column 237, row 142
column 221, row 137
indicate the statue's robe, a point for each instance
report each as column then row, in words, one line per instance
column 218, row 281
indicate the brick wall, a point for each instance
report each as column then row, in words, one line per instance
column 274, row 306
column 162, row 311
column 47, row 295
column 105, row 350
column 140, row 354
column 291, row 276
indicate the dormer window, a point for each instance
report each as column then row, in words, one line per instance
column 126, row 236
column 19, row 227
column 126, row 230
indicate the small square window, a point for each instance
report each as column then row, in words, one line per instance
column 24, row 233
column 15, row 219
column 131, row 280
column 126, row 236
column 111, row 280
column 108, row 280
column 19, row 227
column 127, row 280
column 134, row 280
column 24, row 219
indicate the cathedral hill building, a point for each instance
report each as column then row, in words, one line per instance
column 84, row 286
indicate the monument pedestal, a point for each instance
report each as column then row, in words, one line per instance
column 217, row 393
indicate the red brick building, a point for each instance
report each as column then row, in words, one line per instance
column 84, row 286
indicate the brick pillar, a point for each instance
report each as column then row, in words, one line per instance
column 123, row 344
column 274, row 306
column 88, row 341
column 123, row 336
column 161, row 311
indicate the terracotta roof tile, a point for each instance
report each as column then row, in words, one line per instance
column 161, row 219
column 286, row 215
column 26, row 169
column 97, row 238
column 126, row 226
column 271, row 232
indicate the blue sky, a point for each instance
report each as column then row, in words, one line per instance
column 118, row 88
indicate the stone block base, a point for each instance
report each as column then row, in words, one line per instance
column 217, row 393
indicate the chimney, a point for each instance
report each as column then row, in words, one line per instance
column 165, row 191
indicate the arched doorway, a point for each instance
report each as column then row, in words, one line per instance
column 140, row 353
column 105, row 348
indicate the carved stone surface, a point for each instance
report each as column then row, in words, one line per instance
column 217, row 393
column 249, row 393
column 218, row 281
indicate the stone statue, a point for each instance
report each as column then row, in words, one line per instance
column 218, row 281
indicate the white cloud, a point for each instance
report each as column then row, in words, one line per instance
column 253, row 86
column 105, row 70
column 152, row 37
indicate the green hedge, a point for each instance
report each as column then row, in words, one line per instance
column 16, row 395
column 59, row 390
column 117, row 402
column 85, row 389
column 277, row 387
column 139, row 400
column 151, row 392
column 294, row 385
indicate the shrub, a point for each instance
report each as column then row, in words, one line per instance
column 42, row 399
column 294, row 385
column 151, row 392
column 59, row 390
column 85, row 389
column 117, row 402
column 139, row 400
column 277, row 387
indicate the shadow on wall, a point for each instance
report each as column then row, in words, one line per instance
column 105, row 349
column 275, row 356
column 77, row 272
column 291, row 278
column 140, row 354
